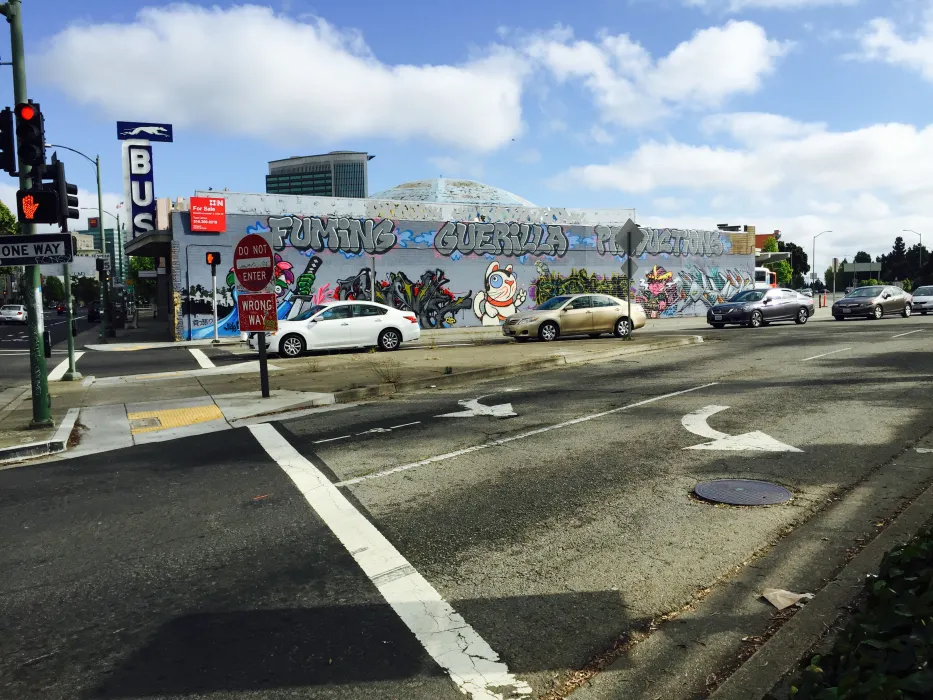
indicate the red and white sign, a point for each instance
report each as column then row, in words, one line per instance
column 257, row 312
column 208, row 214
column 253, row 264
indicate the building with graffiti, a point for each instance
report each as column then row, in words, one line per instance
column 452, row 264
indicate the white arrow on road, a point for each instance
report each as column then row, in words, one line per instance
column 475, row 408
column 755, row 441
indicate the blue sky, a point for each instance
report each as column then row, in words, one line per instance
column 798, row 115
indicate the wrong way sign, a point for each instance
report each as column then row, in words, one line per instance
column 257, row 312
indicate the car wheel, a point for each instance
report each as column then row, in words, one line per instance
column 623, row 328
column 548, row 331
column 291, row 346
column 389, row 340
column 718, row 325
column 756, row 320
column 907, row 311
column 802, row 317
column 877, row 312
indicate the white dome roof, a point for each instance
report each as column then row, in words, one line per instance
column 453, row 191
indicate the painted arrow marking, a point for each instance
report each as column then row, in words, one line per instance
column 474, row 408
column 755, row 441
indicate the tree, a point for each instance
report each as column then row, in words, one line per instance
column 862, row 257
column 782, row 267
column 9, row 226
column 53, row 290
column 85, row 289
column 770, row 245
column 145, row 287
column 799, row 260
column 895, row 265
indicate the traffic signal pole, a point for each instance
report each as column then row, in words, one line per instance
column 38, row 372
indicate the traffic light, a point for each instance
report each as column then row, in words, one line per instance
column 37, row 206
column 7, row 141
column 67, row 193
column 212, row 259
column 30, row 136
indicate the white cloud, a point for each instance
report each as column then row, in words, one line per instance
column 247, row 71
column 601, row 136
column 880, row 41
column 631, row 88
column 866, row 185
column 741, row 5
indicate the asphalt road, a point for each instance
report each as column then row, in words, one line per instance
column 235, row 568
column 14, row 345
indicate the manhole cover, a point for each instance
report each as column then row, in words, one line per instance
column 742, row 492
column 138, row 423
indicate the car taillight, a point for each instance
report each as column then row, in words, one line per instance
column 19, row 313
column 413, row 319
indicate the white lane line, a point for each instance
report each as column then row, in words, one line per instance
column 923, row 450
column 696, row 422
column 62, row 367
column 342, row 437
column 471, row 663
column 203, row 360
column 907, row 333
column 520, row 436
column 816, row 357
column 404, row 425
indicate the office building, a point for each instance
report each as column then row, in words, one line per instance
column 119, row 263
column 334, row 174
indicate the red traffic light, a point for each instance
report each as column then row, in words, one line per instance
column 27, row 112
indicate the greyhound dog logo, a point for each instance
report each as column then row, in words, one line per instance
column 151, row 130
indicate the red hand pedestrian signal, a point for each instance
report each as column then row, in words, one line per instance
column 29, row 207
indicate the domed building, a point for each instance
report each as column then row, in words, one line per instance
column 452, row 191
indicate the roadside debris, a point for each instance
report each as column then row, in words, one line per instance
column 781, row 599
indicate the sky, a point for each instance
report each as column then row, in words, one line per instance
column 797, row 115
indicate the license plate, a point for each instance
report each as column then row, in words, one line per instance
column 847, row 311
column 718, row 317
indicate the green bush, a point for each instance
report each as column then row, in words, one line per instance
column 886, row 650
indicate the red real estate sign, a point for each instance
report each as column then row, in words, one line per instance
column 253, row 263
column 257, row 313
column 208, row 214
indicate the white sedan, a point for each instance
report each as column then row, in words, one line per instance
column 339, row 324
column 14, row 313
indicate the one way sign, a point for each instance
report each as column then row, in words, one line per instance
column 44, row 249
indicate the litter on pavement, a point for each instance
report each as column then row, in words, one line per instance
column 781, row 599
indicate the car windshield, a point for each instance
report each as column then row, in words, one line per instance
column 303, row 310
column 11, row 308
column 554, row 303
column 866, row 292
column 923, row 292
column 750, row 295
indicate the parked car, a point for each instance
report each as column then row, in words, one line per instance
column 93, row 311
column 760, row 307
column 14, row 313
column 923, row 300
column 575, row 314
column 339, row 324
column 873, row 302
column 806, row 291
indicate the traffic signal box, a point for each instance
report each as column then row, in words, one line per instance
column 213, row 259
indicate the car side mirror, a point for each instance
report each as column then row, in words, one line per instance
column 885, row 296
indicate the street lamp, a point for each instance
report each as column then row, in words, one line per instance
column 910, row 230
column 106, row 326
column 813, row 260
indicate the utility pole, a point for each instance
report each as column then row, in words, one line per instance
column 38, row 372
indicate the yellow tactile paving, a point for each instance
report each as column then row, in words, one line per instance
column 175, row 417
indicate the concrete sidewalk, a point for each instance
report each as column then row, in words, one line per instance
column 122, row 411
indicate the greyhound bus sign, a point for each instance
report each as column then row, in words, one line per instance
column 144, row 130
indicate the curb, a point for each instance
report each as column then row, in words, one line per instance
column 780, row 655
column 492, row 372
column 58, row 443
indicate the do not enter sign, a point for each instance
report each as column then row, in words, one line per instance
column 253, row 263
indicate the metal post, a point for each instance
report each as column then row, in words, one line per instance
column 106, row 326
column 72, row 374
column 216, row 340
column 263, row 366
column 628, row 283
column 38, row 372
column 372, row 282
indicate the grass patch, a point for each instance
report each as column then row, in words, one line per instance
column 885, row 650
column 387, row 370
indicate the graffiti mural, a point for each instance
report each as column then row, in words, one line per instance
column 501, row 296
column 458, row 265
column 336, row 234
column 549, row 284
column 428, row 298
column 501, row 239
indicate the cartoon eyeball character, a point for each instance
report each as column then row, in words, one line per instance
column 500, row 297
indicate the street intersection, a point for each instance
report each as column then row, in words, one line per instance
column 499, row 539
